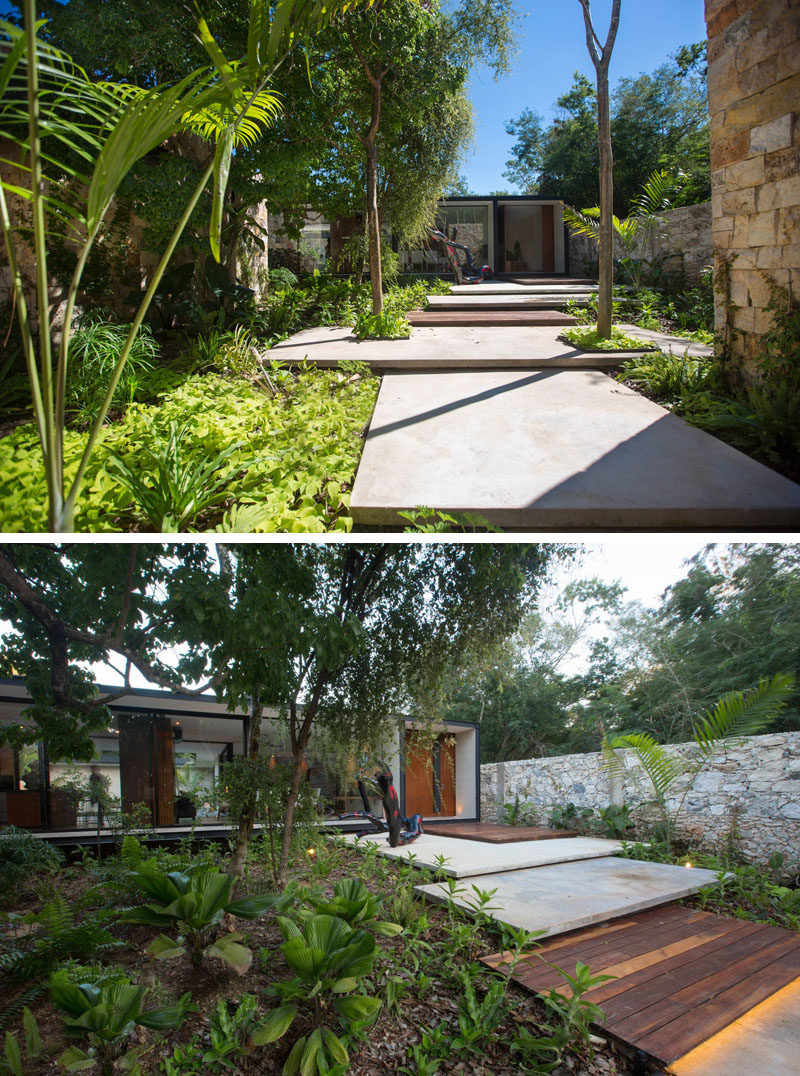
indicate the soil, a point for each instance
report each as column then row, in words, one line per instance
column 387, row 1044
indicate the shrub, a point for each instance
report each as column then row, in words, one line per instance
column 24, row 859
column 95, row 347
column 282, row 278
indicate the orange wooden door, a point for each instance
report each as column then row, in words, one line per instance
column 447, row 775
column 419, row 775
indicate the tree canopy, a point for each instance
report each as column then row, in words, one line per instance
column 658, row 120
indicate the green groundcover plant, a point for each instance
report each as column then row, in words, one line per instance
column 291, row 471
column 587, row 338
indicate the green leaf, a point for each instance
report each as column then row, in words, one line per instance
column 344, row 986
column 13, row 1055
column 386, row 929
column 164, row 948
column 67, row 996
column 251, row 907
column 222, row 168
column 33, row 1040
column 291, row 1065
column 76, row 1060
column 169, row 1017
column 359, row 1007
column 227, row 948
column 335, row 1047
column 308, row 1062
column 276, row 1025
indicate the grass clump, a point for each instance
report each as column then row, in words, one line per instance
column 587, row 338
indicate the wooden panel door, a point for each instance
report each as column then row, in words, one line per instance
column 136, row 761
column 447, row 775
column 418, row 774
column 548, row 240
column 165, row 771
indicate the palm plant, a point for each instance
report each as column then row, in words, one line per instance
column 657, row 770
column 643, row 222
column 195, row 902
column 66, row 125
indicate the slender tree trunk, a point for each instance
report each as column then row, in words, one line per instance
column 375, row 268
column 601, row 57
column 245, row 830
column 299, row 744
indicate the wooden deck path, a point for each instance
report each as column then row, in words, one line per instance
column 490, row 317
column 681, row 975
column 495, row 833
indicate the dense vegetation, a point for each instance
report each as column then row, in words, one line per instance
column 731, row 620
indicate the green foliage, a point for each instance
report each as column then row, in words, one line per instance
column 108, row 1015
column 308, row 441
column 229, row 1034
column 329, row 960
column 735, row 715
column 24, row 860
column 670, row 377
column 195, row 903
column 11, row 1059
column 432, row 521
column 587, row 338
column 353, row 903
column 569, row 816
column 616, row 820
column 282, row 278
column 95, row 348
column 382, row 326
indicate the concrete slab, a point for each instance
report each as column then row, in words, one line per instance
column 763, row 1042
column 675, row 345
column 566, row 896
column 467, row 859
column 444, row 347
column 555, row 450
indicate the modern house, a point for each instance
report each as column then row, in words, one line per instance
column 514, row 234
column 164, row 750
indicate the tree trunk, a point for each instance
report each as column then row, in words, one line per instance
column 245, row 829
column 375, row 269
column 601, row 57
column 288, row 821
column 606, row 235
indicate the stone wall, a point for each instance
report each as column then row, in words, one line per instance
column 683, row 248
column 754, row 102
column 752, row 788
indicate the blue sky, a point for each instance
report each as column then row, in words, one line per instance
column 552, row 45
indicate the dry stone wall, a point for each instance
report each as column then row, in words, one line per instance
column 754, row 102
column 750, row 793
column 682, row 250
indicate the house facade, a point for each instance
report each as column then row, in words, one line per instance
column 165, row 750
column 512, row 234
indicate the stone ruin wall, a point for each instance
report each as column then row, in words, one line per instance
column 753, row 787
column 754, row 103
column 683, row 249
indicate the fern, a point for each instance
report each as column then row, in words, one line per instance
column 30, row 995
column 742, row 713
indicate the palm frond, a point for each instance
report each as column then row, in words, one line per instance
column 583, row 222
column 661, row 768
column 742, row 713
column 211, row 123
column 655, row 194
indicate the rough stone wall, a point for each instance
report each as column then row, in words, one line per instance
column 752, row 787
column 754, row 103
column 683, row 249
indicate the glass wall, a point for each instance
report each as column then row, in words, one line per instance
column 469, row 224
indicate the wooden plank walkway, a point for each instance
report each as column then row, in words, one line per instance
column 494, row 833
column 680, row 974
column 489, row 317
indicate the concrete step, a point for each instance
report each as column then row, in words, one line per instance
column 495, row 287
column 474, row 315
column 555, row 899
column 555, row 449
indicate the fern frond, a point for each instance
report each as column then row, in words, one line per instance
column 26, row 998
column 742, row 713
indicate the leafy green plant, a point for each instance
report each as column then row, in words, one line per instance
column 616, row 820
column 478, row 1020
column 329, row 960
column 670, row 377
column 95, row 349
column 11, row 1059
column 657, row 770
column 281, row 278
column 228, row 1034
column 568, row 816
column 517, row 813
column 24, row 859
column 433, row 520
column 353, row 903
column 386, row 325
column 108, row 1016
column 587, row 338
column 171, row 487
column 195, row 902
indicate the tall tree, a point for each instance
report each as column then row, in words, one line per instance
column 601, row 58
column 342, row 637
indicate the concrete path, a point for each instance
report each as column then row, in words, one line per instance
column 763, row 1042
column 566, row 896
column 506, row 287
column 675, row 345
column 478, row 299
column 445, row 348
column 555, row 450
column 465, row 859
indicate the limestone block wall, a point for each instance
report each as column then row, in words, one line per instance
column 752, row 787
column 683, row 247
column 754, row 103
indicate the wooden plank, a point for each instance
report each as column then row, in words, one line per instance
column 418, row 775
column 494, row 833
